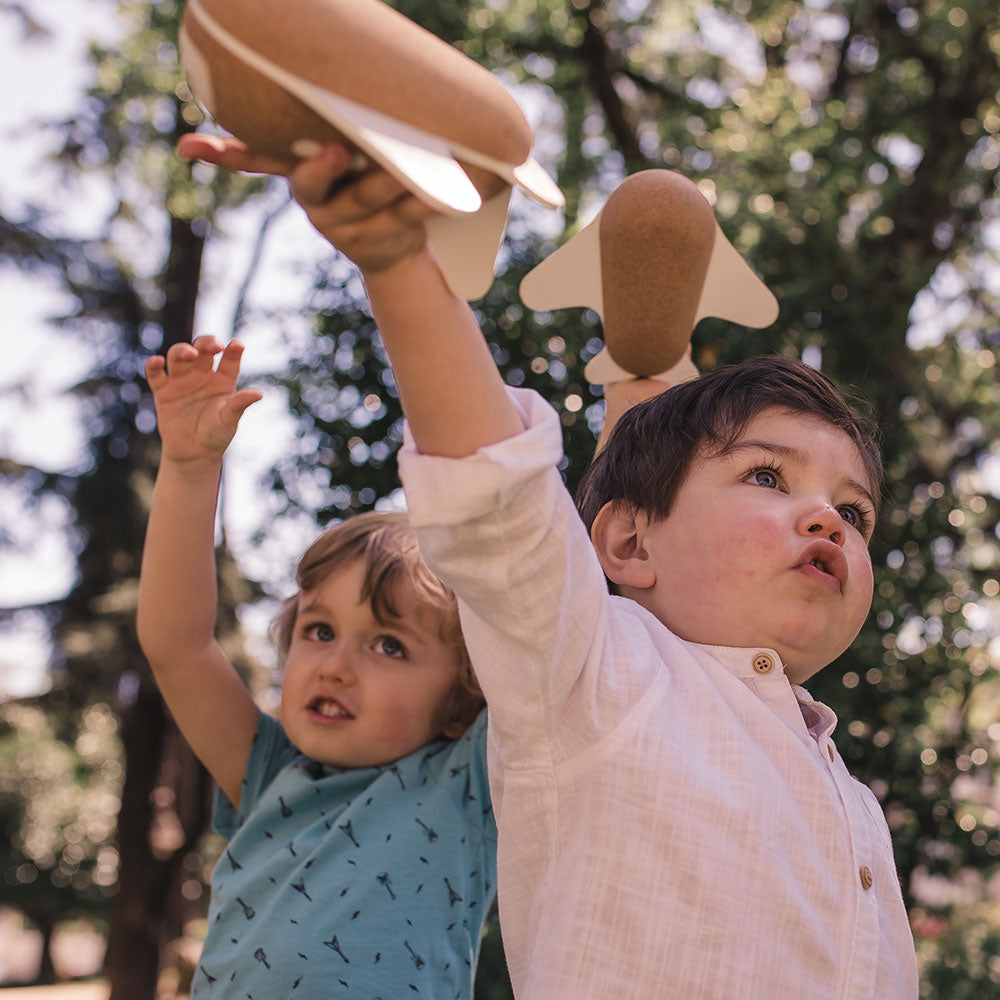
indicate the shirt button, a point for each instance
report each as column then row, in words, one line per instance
column 866, row 877
column 762, row 663
column 829, row 750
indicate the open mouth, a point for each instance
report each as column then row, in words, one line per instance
column 329, row 708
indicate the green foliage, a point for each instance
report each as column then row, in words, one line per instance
column 960, row 959
column 131, row 285
column 850, row 150
column 58, row 805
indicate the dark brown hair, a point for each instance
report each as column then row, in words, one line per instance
column 387, row 547
column 651, row 448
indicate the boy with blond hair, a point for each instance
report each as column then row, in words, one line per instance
column 361, row 855
column 675, row 820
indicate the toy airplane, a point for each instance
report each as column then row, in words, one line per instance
column 288, row 78
column 652, row 264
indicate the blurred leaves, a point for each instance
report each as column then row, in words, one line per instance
column 850, row 149
column 58, row 806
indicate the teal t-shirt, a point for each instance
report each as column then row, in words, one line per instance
column 365, row 883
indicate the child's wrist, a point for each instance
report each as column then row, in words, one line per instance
column 191, row 467
column 415, row 267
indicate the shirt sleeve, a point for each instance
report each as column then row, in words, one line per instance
column 467, row 771
column 500, row 528
column 269, row 753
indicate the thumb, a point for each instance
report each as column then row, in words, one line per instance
column 311, row 181
column 239, row 403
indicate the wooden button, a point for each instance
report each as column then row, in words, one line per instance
column 763, row 664
column 866, row 877
column 829, row 750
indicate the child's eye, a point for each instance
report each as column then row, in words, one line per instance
column 389, row 645
column 318, row 632
column 766, row 476
column 855, row 516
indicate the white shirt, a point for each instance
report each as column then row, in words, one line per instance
column 674, row 821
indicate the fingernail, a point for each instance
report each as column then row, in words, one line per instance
column 306, row 149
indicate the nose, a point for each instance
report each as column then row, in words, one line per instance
column 823, row 520
column 337, row 663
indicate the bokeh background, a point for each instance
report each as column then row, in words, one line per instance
column 850, row 149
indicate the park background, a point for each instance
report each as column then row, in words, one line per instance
column 850, row 149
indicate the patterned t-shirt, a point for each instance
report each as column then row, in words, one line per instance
column 371, row 882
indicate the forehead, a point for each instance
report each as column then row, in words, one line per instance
column 393, row 604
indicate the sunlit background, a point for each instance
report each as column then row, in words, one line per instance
column 849, row 149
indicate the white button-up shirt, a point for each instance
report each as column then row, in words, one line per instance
column 674, row 818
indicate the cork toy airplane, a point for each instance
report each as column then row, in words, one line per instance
column 652, row 264
column 357, row 71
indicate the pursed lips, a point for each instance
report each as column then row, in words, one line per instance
column 829, row 559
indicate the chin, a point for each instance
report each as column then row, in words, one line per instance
column 800, row 666
column 800, row 674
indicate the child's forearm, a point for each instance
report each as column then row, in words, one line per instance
column 620, row 397
column 177, row 587
column 452, row 394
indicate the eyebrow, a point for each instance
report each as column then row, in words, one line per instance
column 794, row 455
column 396, row 624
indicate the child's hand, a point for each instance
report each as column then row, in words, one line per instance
column 198, row 405
column 370, row 217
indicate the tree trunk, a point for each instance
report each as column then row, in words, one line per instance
column 133, row 957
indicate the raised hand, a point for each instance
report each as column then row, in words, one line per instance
column 198, row 406
column 369, row 216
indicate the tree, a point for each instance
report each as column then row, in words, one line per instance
column 127, row 302
column 850, row 149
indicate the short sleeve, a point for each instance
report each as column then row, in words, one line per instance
column 469, row 784
column 269, row 753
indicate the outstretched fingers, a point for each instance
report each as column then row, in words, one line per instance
column 239, row 403
column 200, row 358
column 181, row 358
column 156, row 371
column 229, row 363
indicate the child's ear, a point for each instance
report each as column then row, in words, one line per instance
column 617, row 534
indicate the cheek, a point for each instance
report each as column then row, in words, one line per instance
column 289, row 680
column 407, row 715
column 866, row 580
column 738, row 553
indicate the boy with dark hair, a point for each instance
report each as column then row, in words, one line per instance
column 674, row 818
column 650, row 447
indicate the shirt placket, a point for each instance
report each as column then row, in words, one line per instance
column 859, row 971
column 857, row 981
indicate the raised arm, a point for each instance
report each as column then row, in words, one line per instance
column 198, row 409
column 452, row 393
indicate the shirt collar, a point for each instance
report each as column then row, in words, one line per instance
column 762, row 663
column 745, row 661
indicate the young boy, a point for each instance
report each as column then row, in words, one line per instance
column 362, row 846
column 674, row 818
